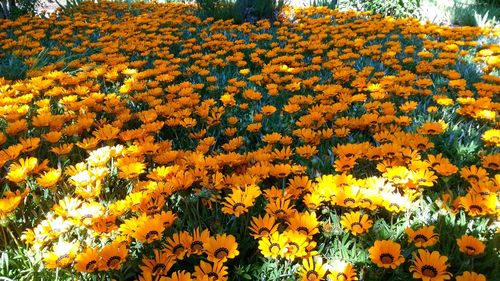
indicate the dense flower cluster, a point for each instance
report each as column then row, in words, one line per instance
column 148, row 136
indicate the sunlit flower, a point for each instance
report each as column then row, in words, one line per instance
column 386, row 254
column 429, row 266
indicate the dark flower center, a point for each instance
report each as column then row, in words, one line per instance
column 159, row 268
column 113, row 261
column 293, row 247
column 475, row 207
column 386, row 258
column 238, row 205
column 196, row 246
column 470, row 250
column 152, row 233
column 59, row 259
column 91, row 266
column 342, row 276
column 213, row 274
column 473, row 177
column 356, row 226
column 312, row 275
column 303, row 230
column 221, row 253
column 179, row 248
column 263, row 231
column 429, row 271
column 420, row 238
column 274, row 248
column 349, row 200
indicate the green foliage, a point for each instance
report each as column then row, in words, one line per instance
column 397, row 9
column 12, row 67
column 15, row 8
column 331, row 4
column 479, row 13
column 241, row 10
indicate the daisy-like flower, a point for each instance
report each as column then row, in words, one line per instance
column 273, row 245
column 470, row 245
column 221, row 248
column 214, row 271
column 199, row 240
column 305, row 223
column 49, row 179
column 179, row 244
column 178, row 276
column 386, row 254
column 159, row 265
column 63, row 255
column 470, row 276
column 88, row 260
column 356, row 223
column 263, row 226
column 429, row 266
column 423, row 237
column 297, row 244
column 492, row 137
column 112, row 256
column 312, row 270
column 150, row 231
column 342, row 271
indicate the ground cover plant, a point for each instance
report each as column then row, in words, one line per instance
column 142, row 142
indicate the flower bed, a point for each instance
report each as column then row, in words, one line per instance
column 142, row 142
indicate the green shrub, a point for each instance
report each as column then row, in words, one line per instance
column 240, row 10
column 331, row 4
column 14, row 8
column 479, row 13
column 396, row 8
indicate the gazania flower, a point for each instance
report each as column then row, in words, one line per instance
column 263, row 226
column 386, row 254
column 214, row 271
column 10, row 201
column 221, row 248
column 63, row 149
column 280, row 208
column 112, row 256
column 106, row 132
column 199, row 240
column 312, row 270
column 423, row 237
column 49, row 179
column 492, row 137
column 63, row 255
column 274, row 245
column 305, row 223
column 470, row 276
column 356, row 223
column 297, row 245
column 178, row 276
column 474, row 174
column 131, row 170
column 470, row 245
column 342, row 271
column 429, row 266
column 149, row 231
column 179, row 244
column 477, row 205
column 159, row 265
column 88, row 260
column 240, row 200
